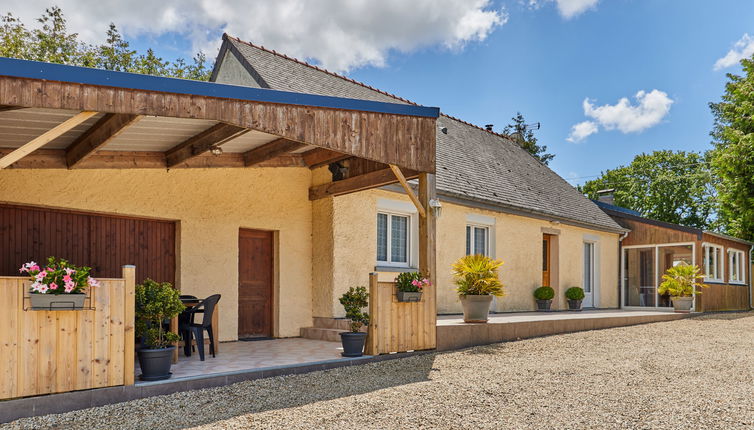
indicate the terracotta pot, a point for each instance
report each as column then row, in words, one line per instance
column 409, row 296
column 57, row 302
column 476, row 309
column 682, row 304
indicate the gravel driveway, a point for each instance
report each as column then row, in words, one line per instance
column 692, row 373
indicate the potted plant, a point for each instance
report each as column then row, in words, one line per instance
column 544, row 296
column 574, row 295
column 155, row 303
column 679, row 282
column 58, row 285
column 410, row 286
column 476, row 277
column 354, row 301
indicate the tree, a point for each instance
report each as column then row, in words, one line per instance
column 732, row 158
column 52, row 43
column 672, row 186
column 524, row 136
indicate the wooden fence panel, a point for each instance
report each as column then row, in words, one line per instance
column 45, row 352
column 396, row 326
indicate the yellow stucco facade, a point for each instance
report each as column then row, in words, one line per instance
column 517, row 240
column 210, row 205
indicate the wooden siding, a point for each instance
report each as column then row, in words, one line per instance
column 407, row 141
column 395, row 326
column 103, row 242
column 650, row 234
column 45, row 352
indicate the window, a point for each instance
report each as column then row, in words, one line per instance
column 737, row 264
column 393, row 239
column 713, row 262
column 477, row 240
column 588, row 267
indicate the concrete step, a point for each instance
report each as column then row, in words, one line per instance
column 335, row 323
column 317, row 333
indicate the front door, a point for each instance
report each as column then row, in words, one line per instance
column 546, row 259
column 255, row 283
column 589, row 272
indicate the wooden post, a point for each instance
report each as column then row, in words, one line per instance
column 129, row 296
column 372, row 346
column 427, row 254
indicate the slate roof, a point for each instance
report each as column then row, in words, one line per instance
column 472, row 163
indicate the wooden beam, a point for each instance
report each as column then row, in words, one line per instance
column 428, row 255
column 45, row 138
column 366, row 181
column 320, row 157
column 202, row 142
column 402, row 179
column 6, row 107
column 268, row 151
column 109, row 126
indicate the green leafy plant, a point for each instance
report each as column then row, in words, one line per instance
column 155, row 303
column 544, row 293
column 477, row 275
column 412, row 282
column 575, row 293
column 680, row 280
column 354, row 301
column 58, row 276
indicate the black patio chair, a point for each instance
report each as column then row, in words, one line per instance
column 191, row 329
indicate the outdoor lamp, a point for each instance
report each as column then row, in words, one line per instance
column 436, row 207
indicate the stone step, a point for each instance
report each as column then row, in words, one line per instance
column 317, row 333
column 335, row 323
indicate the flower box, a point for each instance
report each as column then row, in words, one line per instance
column 58, row 285
column 57, row 302
column 409, row 296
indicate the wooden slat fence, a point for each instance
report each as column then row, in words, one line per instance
column 45, row 352
column 399, row 327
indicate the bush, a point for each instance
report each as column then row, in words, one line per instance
column 680, row 280
column 354, row 301
column 476, row 275
column 411, row 282
column 155, row 303
column 544, row 293
column 575, row 293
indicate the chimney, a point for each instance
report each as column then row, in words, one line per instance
column 606, row 196
column 488, row 127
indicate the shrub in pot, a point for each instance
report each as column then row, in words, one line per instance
column 410, row 285
column 354, row 301
column 476, row 278
column 544, row 296
column 58, row 284
column 679, row 282
column 155, row 303
column 574, row 295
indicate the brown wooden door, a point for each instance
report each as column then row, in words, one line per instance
column 255, row 268
column 546, row 259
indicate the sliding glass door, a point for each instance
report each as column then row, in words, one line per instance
column 642, row 270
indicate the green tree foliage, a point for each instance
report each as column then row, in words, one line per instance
column 524, row 136
column 51, row 42
column 732, row 158
column 671, row 186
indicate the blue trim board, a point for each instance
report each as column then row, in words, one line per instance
column 88, row 76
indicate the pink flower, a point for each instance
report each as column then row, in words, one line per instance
column 69, row 286
column 47, row 269
column 92, row 282
column 53, row 286
column 41, row 275
column 42, row 288
column 69, row 271
column 23, row 269
column 67, row 278
column 34, row 267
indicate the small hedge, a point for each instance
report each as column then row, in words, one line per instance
column 544, row 293
column 575, row 293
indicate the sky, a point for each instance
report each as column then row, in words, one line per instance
column 607, row 79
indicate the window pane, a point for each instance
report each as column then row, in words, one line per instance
column 671, row 256
column 545, row 249
column 588, row 267
column 399, row 239
column 468, row 240
column 480, row 240
column 639, row 277
column 381, row 237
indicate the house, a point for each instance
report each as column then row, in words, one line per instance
column 651, row 247
column 496, row 200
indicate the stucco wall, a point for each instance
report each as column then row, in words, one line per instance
column 518, row 242
column 210, row 205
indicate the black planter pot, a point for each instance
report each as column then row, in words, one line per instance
column 574, row 305
column 155, row 363
column 353, row 343
column 409, row 296
column 544, row 305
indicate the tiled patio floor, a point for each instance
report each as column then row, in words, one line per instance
column 241, row 356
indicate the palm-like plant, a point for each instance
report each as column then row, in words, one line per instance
column 680, row 280
column 477, row 275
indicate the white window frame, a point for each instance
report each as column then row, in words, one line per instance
column 474, row 220
column 742, row 263
column 657, row 274
column 472, row 246
column 718, row 274
column 404, row 209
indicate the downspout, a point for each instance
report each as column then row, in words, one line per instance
column 620, row 268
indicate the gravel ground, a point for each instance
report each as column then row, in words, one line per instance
column 694, row 373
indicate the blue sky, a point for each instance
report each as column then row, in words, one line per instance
column 483, row 60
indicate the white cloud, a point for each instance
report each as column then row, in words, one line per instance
column 649, row 110
column 567, row 8
column 339, row 34
column 581, row 131
column 744, row 48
